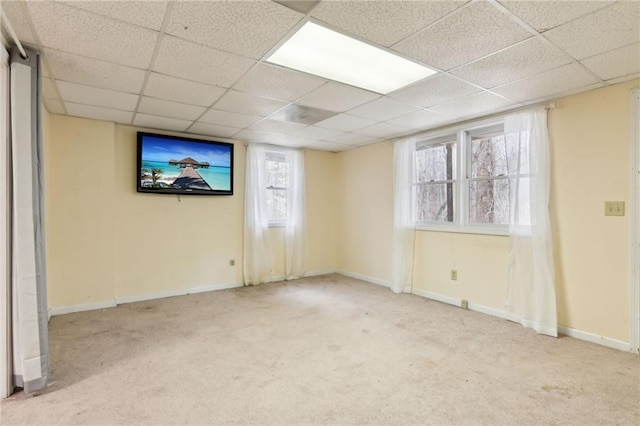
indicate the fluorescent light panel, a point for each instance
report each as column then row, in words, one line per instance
column 329, row 54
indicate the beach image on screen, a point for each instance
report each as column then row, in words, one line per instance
column 184, row 165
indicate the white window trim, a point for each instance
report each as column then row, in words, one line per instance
column 461, row 223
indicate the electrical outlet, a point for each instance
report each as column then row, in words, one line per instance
column 454, row 275
column 614, row 208
column 464, row 304
column 232, row 262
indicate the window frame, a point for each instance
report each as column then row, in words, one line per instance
column 461, row 187
column 280, row 157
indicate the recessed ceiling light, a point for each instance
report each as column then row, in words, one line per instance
column 323, row 52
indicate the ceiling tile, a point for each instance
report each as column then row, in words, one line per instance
column 354, row 139
column 190, row 61
column 229, row 119
column 257, row 136
column 279, row 83
column 383, row 109
column 54, row 106
column 76, row 31
column 328, row 146
column 601, row 31
column 383, row 22
column 144, row 13
column 99, row 113
column 615, row 63
column 19, row 21
column 294, row 141
column 213, row 130
column 337, row 97
column 319, row 133
column 49, row 89
column 77, row 93
column 184, row 91
column 544, row 15
column 276, row 126
column 530, row 57
column 93, row 72
column 548, row 83
column 302, row 6
column 473, row 105
column 469, row 34
column 346, row 122
column 247, row 28
column 155, row 122
column 422, row 119
column 246, row 103
column 170, row 109
column 434, row 90
column 382, row 130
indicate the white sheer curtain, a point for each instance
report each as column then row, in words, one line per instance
column 531, row 297
column 295, row 228
column 257, row 255
column 403, row 218
column 257, row 245
column 23, row 299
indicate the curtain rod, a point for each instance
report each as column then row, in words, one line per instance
column 13, row 35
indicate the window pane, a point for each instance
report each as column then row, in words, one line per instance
column 494, row 155
column 436, row 162
column 276, row 204
column 434, row 202
column 489, row 201
column 276, row 174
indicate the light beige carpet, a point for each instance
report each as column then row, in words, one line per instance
column 321, row 350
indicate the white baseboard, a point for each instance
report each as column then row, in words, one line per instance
column 173, row 293
column 318, row 273
column 364, row 278
column 594, row 338
column 138, row 298
column 81, row 308
column 567, row 331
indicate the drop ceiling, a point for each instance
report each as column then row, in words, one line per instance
column 199, row 67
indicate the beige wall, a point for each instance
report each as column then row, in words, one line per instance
column 590, row 151
column 80, row 211
column 590, row 137
column 365, row 211
column 107, row 241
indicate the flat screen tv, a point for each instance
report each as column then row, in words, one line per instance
column 177, row 165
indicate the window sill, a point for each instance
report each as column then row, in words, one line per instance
column 278, row 224
column 457, row 229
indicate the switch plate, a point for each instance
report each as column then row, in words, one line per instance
column 232, row 262
column 614, row 208
column 454, row 275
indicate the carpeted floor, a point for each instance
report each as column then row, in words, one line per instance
column 323, row 350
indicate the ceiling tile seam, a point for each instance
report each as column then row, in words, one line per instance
column 94, row 59
column 497, row 52
column 433, row 23
column 609, row 51
column 93, row 12
column 254, row 66
column 39, row 47
column 154, row 55
column 544, row 39
column 513, row 17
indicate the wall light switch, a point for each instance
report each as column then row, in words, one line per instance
column 614, row 208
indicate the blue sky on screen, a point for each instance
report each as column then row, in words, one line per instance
column 160, row 149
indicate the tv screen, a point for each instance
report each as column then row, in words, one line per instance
column 177, row 165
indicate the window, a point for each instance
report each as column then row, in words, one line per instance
column 277, row 177
column 465, row 181
column 435, row 180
